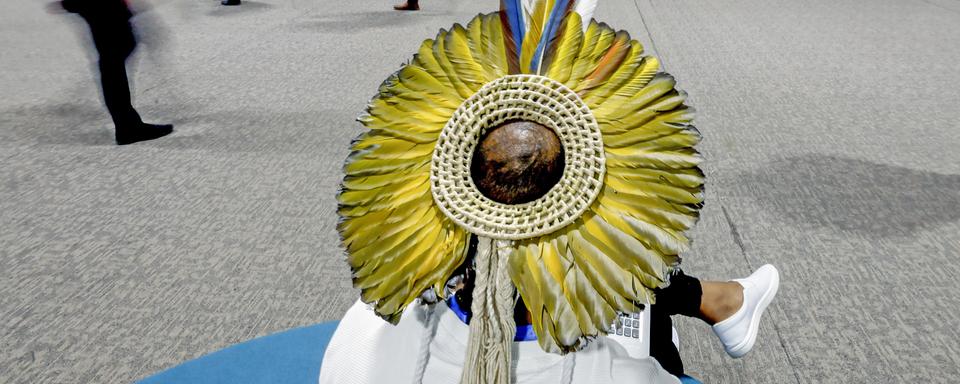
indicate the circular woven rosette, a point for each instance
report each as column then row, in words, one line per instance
column 597, row 243
column 518, row 97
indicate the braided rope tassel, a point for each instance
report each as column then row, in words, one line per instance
column 429, row 331
column 492, row 328
column 566, row 374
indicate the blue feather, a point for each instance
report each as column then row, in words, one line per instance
column 514, row 12
column 549, row 31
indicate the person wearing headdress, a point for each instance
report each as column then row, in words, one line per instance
column 526, row 180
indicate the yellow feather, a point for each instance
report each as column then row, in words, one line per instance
column 374, row 253
column 401, row 284
column 647, row 269
column 663, row 240
column 486, row 45
column 555, row 306
column 366, row 167
column 683, row 139
column 426, row 59
column 395, row 285
column 673, row 216
column 545, row 297
column 650, row 133
column 475, row 30
column 673, row 159
column 637, row 187
column 532, row 38
column 661, row 85
column 372, row 140
column 365, row 183
column 560, row 265
column 415, row 85
column 416, row 121
column 645, row 72
column 570, row 40
column 439, row 54
column 457, row 51
column 656, row 123
column 402, row 202
column 683, row 178
column 419, row 82
column 369, row 197
column 370, row 247
column 356, row 231
column 583, row 295
column 603, row 275
column 596, row 42
column 365, row 203
column 400, row 149
column 495, row 51
column 457, row 252
column 623, row 74
column 611, row 59
column 669, row 102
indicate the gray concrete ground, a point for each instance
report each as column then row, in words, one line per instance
column 830, row 128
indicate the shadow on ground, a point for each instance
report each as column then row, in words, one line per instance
column 349, row 23
column 853, row 195
column 68, row 123
column 259, row 130
column 241, row 130
column 245, row 6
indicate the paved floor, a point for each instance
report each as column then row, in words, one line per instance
column 830, row 127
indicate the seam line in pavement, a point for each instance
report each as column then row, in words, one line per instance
column 646, row 27
column 928, row 2
column 739, row 241
column 736, row 236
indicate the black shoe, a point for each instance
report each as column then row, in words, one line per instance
column 410, row 5
column 142, row 132
column 230, row 2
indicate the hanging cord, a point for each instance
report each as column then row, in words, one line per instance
column 429, row 331
column 492, row 328
column 566, row 374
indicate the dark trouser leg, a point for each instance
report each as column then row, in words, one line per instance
column 682, row 297
column 115, row 42
column 116, row 93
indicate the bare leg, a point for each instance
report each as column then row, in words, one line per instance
column 720, row 300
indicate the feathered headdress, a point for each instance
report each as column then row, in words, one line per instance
column 595, row 245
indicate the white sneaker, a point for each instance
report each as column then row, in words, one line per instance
column 739, row 331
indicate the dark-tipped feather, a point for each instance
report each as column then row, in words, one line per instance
column 550, row 32
column 511, row 18
column 554, row 45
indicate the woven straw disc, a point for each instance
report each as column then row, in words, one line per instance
column 518, row 97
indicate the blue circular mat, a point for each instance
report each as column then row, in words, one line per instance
column 289, row 357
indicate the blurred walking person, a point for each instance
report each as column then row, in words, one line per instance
column 409, row 5
column 109, row 22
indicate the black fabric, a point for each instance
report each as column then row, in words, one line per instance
column 115, row 45
column 661, row 342
column 682, row 297
column 97, row 11
column 109, row 22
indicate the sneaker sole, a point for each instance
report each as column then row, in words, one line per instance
column 742, row 349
